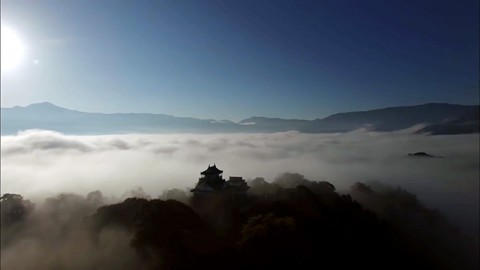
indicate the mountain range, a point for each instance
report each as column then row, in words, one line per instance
column 438, row 118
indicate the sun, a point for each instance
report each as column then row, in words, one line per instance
column 12, row 49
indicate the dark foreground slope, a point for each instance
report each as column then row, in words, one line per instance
column 294, row 230
column 292, row 223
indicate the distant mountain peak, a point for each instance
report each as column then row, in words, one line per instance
column 45, row 107
column 43, row 104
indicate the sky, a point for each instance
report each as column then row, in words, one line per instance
column 236, row 59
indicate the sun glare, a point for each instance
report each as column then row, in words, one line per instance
column 12, row 49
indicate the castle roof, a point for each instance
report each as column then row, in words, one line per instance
column 236, row 182
column 236, row 179
column 212, row 170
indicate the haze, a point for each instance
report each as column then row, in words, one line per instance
column 367, row 110
column 39, row 163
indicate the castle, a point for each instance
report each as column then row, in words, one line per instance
column 211, row 183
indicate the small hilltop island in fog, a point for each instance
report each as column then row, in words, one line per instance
column 423, row 155
column 436, row 118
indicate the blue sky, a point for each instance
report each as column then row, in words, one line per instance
column 236, row 59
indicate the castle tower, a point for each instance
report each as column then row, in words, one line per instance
column 212, row 182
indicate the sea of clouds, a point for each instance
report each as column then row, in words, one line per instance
column 39, row 163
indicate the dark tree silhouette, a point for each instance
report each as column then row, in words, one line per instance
column 291, row 224
column 14, row 208
column 407, row 214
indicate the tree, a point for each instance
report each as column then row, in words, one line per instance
column 14, row 208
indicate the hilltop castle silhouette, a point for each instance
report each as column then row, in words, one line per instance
column 212, row 184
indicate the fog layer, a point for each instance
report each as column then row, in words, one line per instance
column 40, row 163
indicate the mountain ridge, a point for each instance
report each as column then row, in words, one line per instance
column 439, row 118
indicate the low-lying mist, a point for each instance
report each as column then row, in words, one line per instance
column 40, row 164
